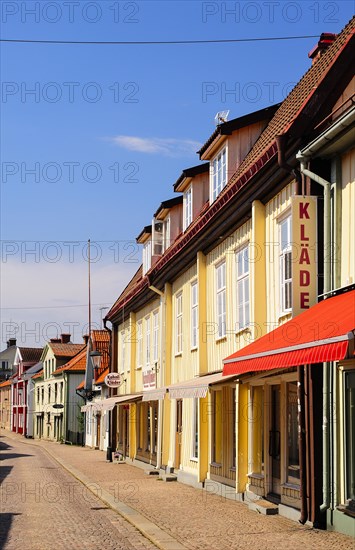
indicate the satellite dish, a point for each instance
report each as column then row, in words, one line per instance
column 221, row 117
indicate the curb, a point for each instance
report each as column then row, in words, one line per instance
column 152, row 532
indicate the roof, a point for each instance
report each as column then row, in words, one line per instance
column 132, row 285
column 226, row 128
column 38, row 375
column 321, row 333
column 296, row 101
column 81, row 385
column 166, row 205
column 302, row 100
column 192, row 172
column 76, row 364
column 147, row 230
column 101, row 378
column 30, row 354
column 35, row 368
column 65, row 350
column 5, row 384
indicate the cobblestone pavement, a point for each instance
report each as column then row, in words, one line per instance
column 195, row 518
column 43, row 507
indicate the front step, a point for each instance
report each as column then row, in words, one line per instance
column 263, row 507
column 167, row 477
column 151, row 472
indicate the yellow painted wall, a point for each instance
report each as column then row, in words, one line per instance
column 217, row 350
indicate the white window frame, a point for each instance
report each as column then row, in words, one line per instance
column 166, row 233
column 218, row 178
column 147, row 256
column 147, row 341
column 139, row 344
column 285, row 256
column 155, row 336
column 242, row 267
column 187, row 207
column 178, row 323
column 221, row 313
column 194, row 315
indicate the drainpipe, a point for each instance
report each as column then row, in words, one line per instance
column 327, row 286
column 109, row 449
column 160, row 402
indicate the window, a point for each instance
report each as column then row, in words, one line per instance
column 178, row 323
column 147, row 256
column 242, row 258
column 140, row 344
column 123, row 351
column 293, row 462
column 155, row 336
column 55, row 392
column 157, row 238
column 37, row 395
column 166, row 234
column 49, row 394
column 195, row 429
column 219, row 174
column 285, row 265
column 350, row 434
column 221, row 299
column 187, row 208
column 147, row 341
column 194, row 315
column 4, row 365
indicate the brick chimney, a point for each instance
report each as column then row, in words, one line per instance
column 65, row 338
column 11, row 342
column 326, row 39
column 56, row 340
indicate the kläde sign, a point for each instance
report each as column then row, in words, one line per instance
column 304, row 253
column 113, row 379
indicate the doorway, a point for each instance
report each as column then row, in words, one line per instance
column 178, row 434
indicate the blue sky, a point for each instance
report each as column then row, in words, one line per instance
column 109, row 128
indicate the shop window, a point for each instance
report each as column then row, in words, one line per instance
column 217, row 427
column 293, row 463
column 195, row 429
column 350, row 434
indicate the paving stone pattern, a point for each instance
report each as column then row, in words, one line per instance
column 195, row 518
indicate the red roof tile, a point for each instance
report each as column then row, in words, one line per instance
column 101, row 378
column 65, row 350
column 5, row 384
column 76, row 364
column 30, row 355
column 38, row 375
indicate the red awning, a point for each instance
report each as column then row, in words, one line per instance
column 321, row 333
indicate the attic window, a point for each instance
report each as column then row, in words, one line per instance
column 147, row 256
column 218, row 174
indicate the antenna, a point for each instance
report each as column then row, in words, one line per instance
column 221, row 117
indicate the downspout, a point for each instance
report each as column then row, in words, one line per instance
column 160, row 402
column 327, row 287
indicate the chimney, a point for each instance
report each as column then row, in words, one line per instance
column 56, row 340
column 11, row 342
column 86, row 339
column 65, row 338
column 326, row 39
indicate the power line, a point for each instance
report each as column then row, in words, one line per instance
column 155, row 42
column 56, row 307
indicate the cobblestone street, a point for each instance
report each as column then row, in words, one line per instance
column 195, row 519
column 43, row 507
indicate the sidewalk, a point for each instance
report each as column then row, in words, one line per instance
column 175, row 516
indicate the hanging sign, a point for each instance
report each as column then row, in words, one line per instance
column 113, row 380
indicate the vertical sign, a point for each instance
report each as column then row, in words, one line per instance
column 304, row 253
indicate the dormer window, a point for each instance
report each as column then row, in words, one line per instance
column 166, row 233
column 147, row 256
column 157, row 238
column 187, row 207
column 218, row 174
